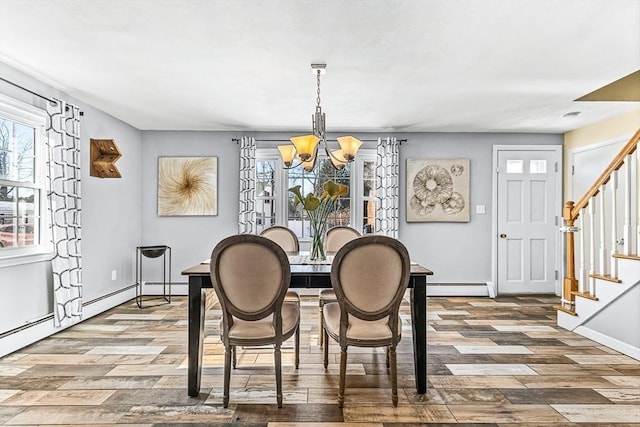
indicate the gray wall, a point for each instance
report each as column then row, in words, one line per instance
column 191, row 238
column 456, row 252
column 110, row 216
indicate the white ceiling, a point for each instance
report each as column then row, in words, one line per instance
column 403, row 66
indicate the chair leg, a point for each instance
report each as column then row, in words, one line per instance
column 278, row 367
column 326, row 348
column 394, row 376
column 343, row 374
column 297, row 344
column 227, row 375
column 234, row 356
column 387, row 357
column 320, row 331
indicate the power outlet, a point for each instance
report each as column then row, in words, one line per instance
column 114, row 275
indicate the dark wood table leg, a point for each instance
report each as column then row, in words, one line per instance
column 419, row 323
column 197, row 300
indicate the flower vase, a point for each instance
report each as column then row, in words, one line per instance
column 317, row 242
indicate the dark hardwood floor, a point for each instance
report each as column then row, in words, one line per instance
column 491, row 362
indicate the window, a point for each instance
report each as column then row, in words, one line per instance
column 514, row 166
column 21, row 179
column 265, row 196
column 538, row 166
column 275, row 205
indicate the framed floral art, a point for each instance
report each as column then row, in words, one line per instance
column 437, row 190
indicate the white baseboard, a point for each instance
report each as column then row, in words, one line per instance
column 610, row 342
column 491, row 289
column 154, row 288
column 457, row 290
column 44, row 329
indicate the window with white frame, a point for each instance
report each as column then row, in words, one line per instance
column 275, row 205
column 22, row 193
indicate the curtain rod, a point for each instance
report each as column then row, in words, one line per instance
column 237, row 140
column 33, row 93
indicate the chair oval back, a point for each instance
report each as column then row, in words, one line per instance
column 283, row 236
column 370, row 275
column 251, row 275
column 338, row 236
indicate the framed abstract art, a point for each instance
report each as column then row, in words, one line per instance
column 187, row 186
column 437, row 190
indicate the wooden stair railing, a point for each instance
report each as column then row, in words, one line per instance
column 571, row 214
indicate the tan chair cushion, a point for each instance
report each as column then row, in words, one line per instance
column 283, row 237
column 327, row 295
column 338, row 237
column 358, row 329
column 263, row 328
column 292, row 296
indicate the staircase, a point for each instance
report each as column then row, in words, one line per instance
column 601, row 288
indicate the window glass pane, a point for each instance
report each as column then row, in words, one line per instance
column 8, row 205
column 368, row 222
column 265, row 193
column 8, row 235
column 24, row 137
column 538, row 166
column 369, row 178
column 17, row 151
column 369, row 196
column 5, row 134
column 514, row 166
column 27, row 202
column 19, row 216
column 25, row 232
column 19, row 232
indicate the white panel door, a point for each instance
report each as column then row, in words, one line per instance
column 528, row 212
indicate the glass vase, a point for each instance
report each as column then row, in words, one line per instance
column 317, row 242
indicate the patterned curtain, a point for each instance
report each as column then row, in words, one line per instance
column 387, row 187
column 64, row 210
column 247, row 211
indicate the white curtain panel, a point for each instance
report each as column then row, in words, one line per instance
column 64, row 210
column 387, row 186
column 247, row 210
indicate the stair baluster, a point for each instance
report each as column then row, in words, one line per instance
column 626, row 228
column 592, row 247
column 613, row 267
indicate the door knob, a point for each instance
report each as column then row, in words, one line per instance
column 503, row 236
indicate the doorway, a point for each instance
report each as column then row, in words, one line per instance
column 527, row 215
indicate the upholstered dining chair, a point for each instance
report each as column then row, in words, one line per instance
column 288, row 241
column 370, row 276
column 283, row 236
column 250, row 275
column 336, row 238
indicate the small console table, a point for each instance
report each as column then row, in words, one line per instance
column 154, row 252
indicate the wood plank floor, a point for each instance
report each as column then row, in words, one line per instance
column 490, row 362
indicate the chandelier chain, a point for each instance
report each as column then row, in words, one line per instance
column 318, row 91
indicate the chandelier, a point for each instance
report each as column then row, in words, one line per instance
column 304, row 148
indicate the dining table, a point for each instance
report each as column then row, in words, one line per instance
column 304, row 274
